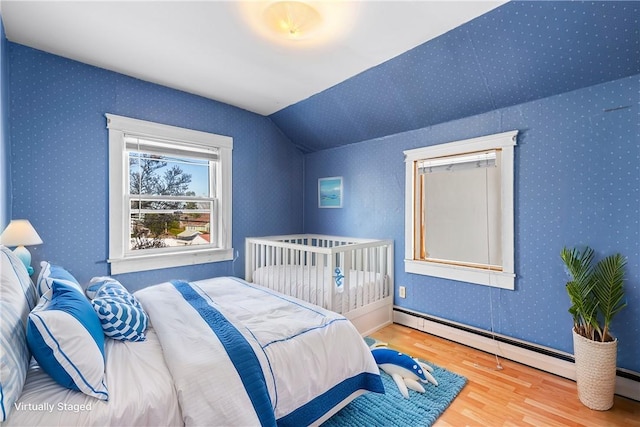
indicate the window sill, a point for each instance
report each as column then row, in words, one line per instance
column 168, row 260
column 496, row 279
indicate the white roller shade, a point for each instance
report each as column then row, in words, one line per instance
column 164, row 148
column 457, row 163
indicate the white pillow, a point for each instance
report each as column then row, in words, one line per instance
column 66, row 339
column 121, row 315
column 17, row 298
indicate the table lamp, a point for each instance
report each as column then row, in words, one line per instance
column 21, row 233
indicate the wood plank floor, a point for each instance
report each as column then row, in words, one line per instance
column 515, row 395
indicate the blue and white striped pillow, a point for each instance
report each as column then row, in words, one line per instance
column 121, row 315
column 66, row 339
column 50, row 272
column 17, row 298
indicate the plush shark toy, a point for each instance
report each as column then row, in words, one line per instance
column 405, row 371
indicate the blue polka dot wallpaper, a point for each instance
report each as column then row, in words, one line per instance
column 577, row 182
column 5, row 145
column 60, row 170
column 518, row 52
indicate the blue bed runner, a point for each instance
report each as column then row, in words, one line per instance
column 239, row 350
column 313, row 410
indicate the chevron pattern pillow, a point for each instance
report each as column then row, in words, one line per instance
column 121, row 315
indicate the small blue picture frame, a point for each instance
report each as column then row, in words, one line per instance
column 330, row 192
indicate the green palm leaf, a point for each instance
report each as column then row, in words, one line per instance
column 596, row 294
column 608, row 289
column 583, row 306
column 578, row 263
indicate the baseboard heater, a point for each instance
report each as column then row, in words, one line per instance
column 540, row 357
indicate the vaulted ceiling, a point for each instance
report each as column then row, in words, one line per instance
column 403, row 65
column 516, row 53
column 221, row 49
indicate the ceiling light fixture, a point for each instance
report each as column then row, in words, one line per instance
column 295, row 20
column 300, row 24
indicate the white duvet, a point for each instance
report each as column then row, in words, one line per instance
column 241, row 354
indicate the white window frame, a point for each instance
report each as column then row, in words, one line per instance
column 121, row 259
column 505, row 279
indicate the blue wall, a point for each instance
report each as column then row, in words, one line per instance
column 60, row 171
column 5, row 145
column 519, row 52
column 577, row 182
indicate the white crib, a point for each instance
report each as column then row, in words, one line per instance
column 350, row 276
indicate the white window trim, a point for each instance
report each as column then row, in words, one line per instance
column 501, row 279
column 120, row 261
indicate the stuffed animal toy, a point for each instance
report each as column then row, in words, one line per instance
column 405, row 371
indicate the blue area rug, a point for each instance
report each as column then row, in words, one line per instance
column 391, row 409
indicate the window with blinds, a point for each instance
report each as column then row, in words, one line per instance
column 171, row 198
column 460, row 196
column 170, row 192
column 460, row 210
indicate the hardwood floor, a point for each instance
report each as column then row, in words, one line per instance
column 515, row 395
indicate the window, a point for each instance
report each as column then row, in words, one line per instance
column 169, row 196
column 459, row 210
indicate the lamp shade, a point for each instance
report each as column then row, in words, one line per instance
column 20, row 232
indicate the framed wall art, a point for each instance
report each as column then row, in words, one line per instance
column 330, row 193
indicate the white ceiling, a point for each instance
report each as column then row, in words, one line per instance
column 209, row 48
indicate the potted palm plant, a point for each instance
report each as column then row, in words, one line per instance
column 597, row 295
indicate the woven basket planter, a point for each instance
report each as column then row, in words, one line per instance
column 595, row 371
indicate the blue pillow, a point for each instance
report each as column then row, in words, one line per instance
column 66, row 339
column 120, row 313
column 50, row 272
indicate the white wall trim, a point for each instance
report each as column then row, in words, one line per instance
column 504, row 141
column 545, row 362
column 120, row 258
column 169, row 260
column 497, row 279
column 152, row 129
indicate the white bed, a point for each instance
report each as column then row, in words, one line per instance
column 353, row 277
column 219, row 351
column 311, row 359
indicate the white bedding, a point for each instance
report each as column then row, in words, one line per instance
column 319, row 286
column 219, row 352
column 140, row 385
column 305, row 360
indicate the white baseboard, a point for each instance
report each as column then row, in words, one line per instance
column 543, row 358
